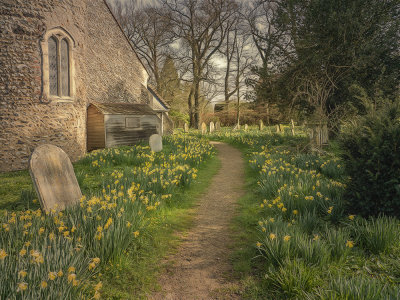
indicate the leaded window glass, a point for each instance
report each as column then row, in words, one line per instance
column 53, row 65
column 64, row 70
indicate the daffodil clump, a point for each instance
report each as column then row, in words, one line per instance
column 309, row 241
column 57, row 255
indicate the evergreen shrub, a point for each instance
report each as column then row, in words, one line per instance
column 371, row 153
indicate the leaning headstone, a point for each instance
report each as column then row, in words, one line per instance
column 212, row 127
column 246, row 127
column 54, row 178
column 203, row 128
column 278, row 128
column 261, row 125
column 186, row 128
column 155, row 142
column 218, row 125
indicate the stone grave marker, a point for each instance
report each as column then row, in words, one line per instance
column 261, row 125
column 246, row 127
column 54, row 178
column 203, row 128
column 278, row 128
column 212, row 127
column 186, row 128
column 155, row 142
column 218, row 125
column 292, row 126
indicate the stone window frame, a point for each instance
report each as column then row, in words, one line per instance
column 59, row 34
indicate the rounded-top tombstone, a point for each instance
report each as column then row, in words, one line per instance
column 246, row 127
column 218, row 125
column 212, row 127
column 261, row 125
column 155, row 143
column 203, row 128
column 54, row 178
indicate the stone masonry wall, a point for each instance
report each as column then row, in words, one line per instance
column 114, row 73
column 26, row 119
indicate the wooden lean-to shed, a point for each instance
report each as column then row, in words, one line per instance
column 115, row 124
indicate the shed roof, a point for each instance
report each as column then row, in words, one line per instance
column 161, row 101
column 124, row 108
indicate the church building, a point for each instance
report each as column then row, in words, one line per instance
column 56, row 58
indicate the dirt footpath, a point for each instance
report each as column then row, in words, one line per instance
column 201, row 268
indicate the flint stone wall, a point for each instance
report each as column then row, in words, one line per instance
column 106, row 70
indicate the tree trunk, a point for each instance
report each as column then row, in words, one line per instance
column 238, row 107
column 196, row 104
column 190, row 106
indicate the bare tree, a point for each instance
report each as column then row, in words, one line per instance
column 201, row 27
column 150, row 33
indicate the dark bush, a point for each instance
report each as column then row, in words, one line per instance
column 371, row 153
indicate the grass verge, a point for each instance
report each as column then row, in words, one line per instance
column 248, row 267
column 134, row 275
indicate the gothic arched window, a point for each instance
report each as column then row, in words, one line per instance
column 58, row 69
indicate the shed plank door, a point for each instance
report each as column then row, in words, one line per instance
column 95, row 129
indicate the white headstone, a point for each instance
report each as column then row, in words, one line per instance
column 212, row 127
column 54, row 178
column 292, row 126
column 218, row 125
column 246, row 127
column 186, row 128
column 203, row 128
column 261, row 125
column 155, row 143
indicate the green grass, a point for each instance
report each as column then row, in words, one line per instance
column 248, row 266
column 135, row 274
column 327, row 254
column 14, row 187
column 134, row 201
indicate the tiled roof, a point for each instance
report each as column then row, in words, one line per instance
column 124, row 108
column 158, row 97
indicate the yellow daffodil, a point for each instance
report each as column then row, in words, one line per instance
column 98, row 286
column 52, row 275
column 22, row 274
column 22, row 286
column 316, row 237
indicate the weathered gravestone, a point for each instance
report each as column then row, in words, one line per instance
column 186, row 128
column 261, row 125
column 218, row 125
column 203, row 128
column 246, row 127
column 155, row 142
column 212, row 127
column 278, row 128
column 54, row 178
column 292, row 126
